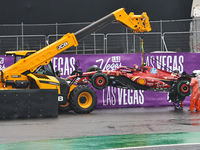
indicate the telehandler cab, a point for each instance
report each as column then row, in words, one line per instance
column 33, row 69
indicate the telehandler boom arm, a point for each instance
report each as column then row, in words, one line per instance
column 19, row 70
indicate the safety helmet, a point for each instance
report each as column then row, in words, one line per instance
column 196, row 72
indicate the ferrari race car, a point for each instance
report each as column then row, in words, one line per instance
column 148, row 78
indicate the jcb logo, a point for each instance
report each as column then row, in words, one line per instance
column 60, row 98
column 62, row 45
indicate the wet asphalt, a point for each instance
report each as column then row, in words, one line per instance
column 103, row 122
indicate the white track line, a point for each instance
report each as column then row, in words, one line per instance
column 154, row 146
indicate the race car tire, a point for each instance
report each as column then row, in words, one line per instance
column 183, row 88
column 83, row 99
column 99, row 80
column 64, row 108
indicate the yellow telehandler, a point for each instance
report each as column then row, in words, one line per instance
column 33, row 69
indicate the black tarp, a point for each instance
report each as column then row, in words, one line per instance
column 29, row 103
column 68, row 11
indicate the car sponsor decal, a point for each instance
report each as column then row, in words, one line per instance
column 134, row 78
column 141, row 81
column 154, row 70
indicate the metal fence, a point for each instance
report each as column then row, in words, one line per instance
column 19, row 42
column 195, row 36
column 166, row 35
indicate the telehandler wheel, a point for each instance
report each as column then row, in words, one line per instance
column 65, row 108
column 83, row 99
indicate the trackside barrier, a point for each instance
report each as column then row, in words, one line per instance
column 30, row 103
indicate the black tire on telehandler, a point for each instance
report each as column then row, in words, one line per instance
column 83, row 99
column 65, row 108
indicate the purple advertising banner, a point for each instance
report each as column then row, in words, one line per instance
column 112, row 97
column 6, row 61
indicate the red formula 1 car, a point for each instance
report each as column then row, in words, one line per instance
column 148, row 78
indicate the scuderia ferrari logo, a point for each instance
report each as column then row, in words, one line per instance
column 62, row 45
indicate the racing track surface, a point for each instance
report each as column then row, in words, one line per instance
column 106, row 129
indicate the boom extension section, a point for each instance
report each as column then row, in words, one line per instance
column 137, row 23
column 20, row 70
